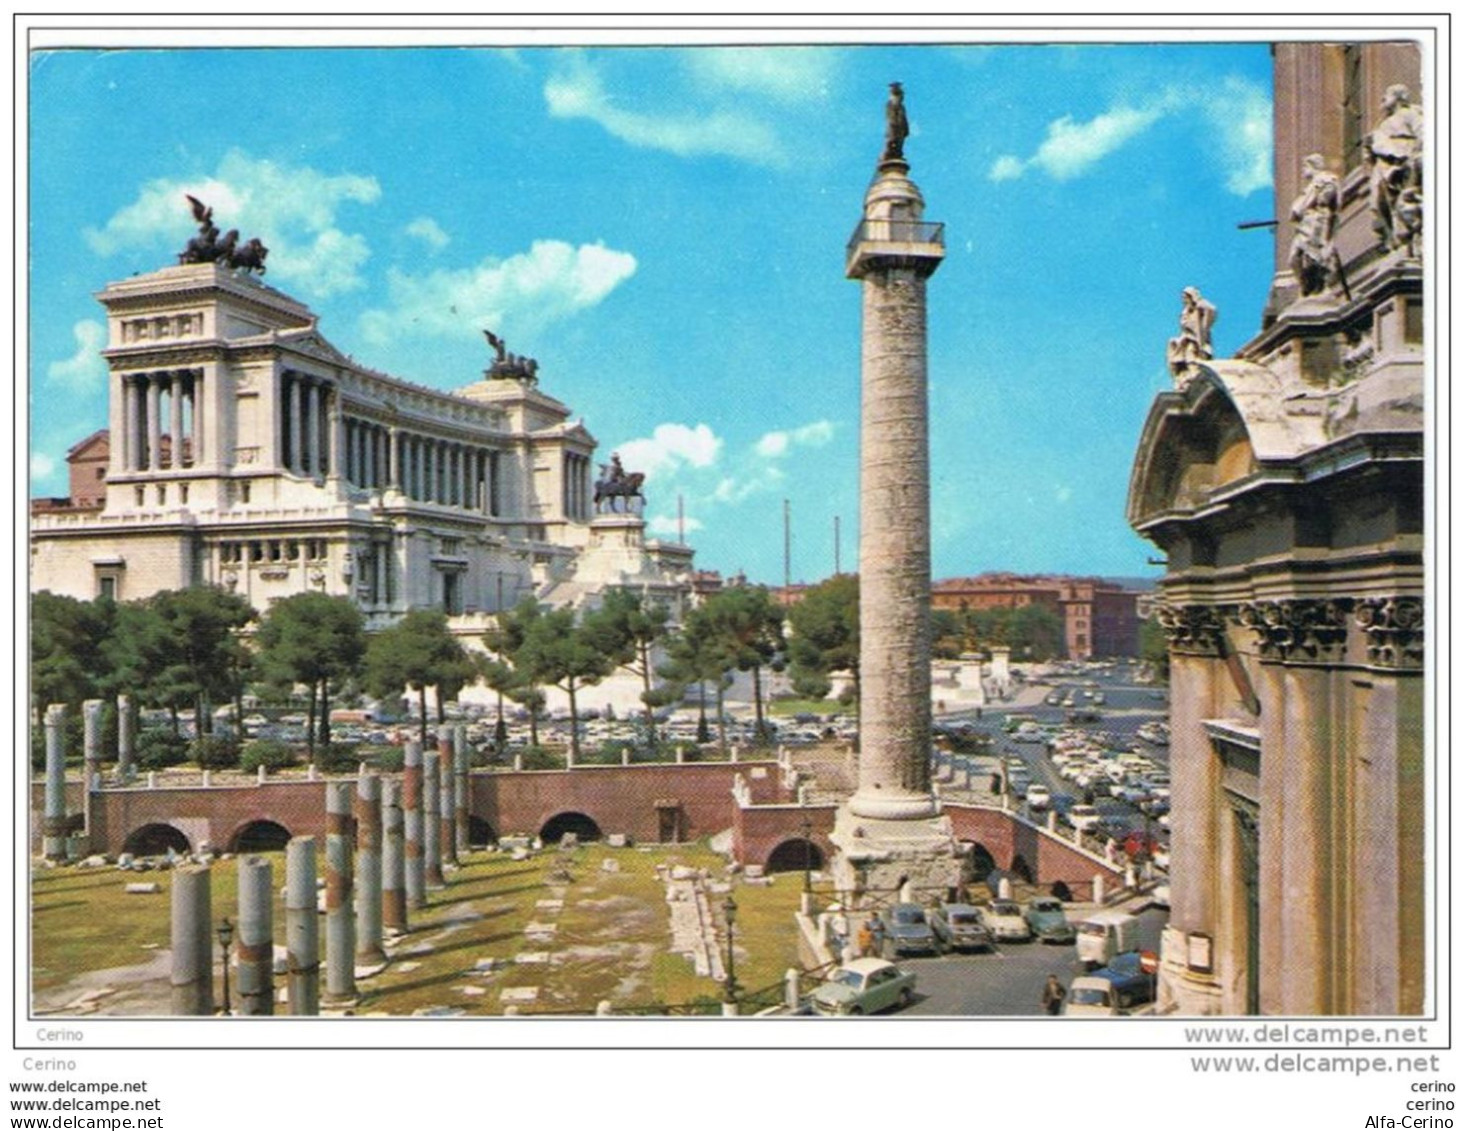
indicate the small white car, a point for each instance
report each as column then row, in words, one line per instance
column 1084, row 818
column 1005, row 921
column 1039, row 797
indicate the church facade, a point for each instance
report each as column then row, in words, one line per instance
column 1285, row 487
column 244, row 450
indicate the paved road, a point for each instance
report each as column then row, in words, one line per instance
column 1007, row 982
column 1127, row 708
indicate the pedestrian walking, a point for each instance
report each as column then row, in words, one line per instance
column 1053, row 994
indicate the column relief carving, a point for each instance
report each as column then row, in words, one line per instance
column 1192, row 630
column 1393, row 629
column 1306, row 630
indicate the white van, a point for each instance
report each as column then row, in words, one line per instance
column 1104, row 934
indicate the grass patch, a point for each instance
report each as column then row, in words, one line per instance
column 611, row 941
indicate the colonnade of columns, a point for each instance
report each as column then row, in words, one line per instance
column 143, row 423
column 305, row 433
column 434, row 471
column 576, row 486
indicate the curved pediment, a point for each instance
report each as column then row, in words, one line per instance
column 1228, row 421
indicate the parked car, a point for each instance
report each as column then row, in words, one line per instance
column 907, row 931
column 1105, row 934
column 959, row 926
column 1113, row 990
column 1084, row 817
column 1048, row 920
column 1005, row 921
column 865, row 985
column 1038, row 797
column 1140, row 843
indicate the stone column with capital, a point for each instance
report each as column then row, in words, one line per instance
column 890, row 829
column 154, row 425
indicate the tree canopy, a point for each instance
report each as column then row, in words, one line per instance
column 317, row 640
column 417, row 652
column 823, row 635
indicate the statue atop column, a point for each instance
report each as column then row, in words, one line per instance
column 209, row 247
column 1314, row 258
column 1394, row 156
column 507, row 364
column 1196, row 318
column 897, row 126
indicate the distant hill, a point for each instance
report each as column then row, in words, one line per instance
column 1142, row 583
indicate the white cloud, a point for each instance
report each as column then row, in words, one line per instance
column 41, row 465
column 576, row 92
column 429, row 231
column 1236, row 112
column 669, row 448
column 84, row 370
column 549, row 281
column 667, row 524
column 1240, row 114
column 774, row 444
column 1007, row 168
column 1072, row 148
column 786, row 74
column 292, row 209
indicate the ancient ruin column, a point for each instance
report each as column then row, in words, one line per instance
column 431, row 818
column 447, row 839
column 368, row 868
column 302, row 938
column 340, row 925
column 192, row 941
column 125, row 724
column 255, row 947
column 53, row 824
column 460, row 794
column 154, row 425
column 91, row 745
column 393, row 859
column 892, row 254
column 413, row 855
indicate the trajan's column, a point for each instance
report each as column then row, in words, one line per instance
column 891, row 829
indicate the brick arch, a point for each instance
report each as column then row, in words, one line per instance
column 155, row 838
column 569, row 821
column 258, row 834
column 793, row 855
column 480, row 831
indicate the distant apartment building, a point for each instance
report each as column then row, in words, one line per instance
column 1099, row 618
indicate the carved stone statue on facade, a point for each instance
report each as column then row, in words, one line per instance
column 1394, row 156
column 1314, row 258
column 209, row 247
column 1196, row 318
column 616, row 483
column 897, row 126
column 507, row 364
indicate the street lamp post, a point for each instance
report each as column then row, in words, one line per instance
column 226, row 936
column 729, row 910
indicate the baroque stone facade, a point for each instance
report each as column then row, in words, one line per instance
column 244, row 450
column 1285, row 487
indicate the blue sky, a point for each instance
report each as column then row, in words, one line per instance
column 664, row 229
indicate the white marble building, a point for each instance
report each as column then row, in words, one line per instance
column 248, row 452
